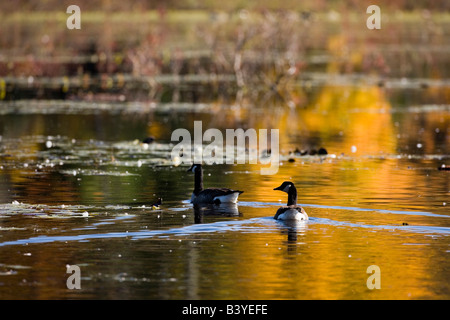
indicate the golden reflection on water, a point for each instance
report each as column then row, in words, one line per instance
column 323, row 262
column 346, row 113
column 326, row 258
column 330, row 262
column 384, row 158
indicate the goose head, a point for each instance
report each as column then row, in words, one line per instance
column 194, row 168
column 285, row 186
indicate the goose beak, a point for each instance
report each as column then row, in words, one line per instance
column 278, row 188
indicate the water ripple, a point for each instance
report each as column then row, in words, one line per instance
column 414, row 213
column 253, row 225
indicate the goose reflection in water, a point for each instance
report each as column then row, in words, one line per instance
column 223, row 209
column 293, row 228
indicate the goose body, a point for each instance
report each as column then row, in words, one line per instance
column 291, row 211
column 210, row 195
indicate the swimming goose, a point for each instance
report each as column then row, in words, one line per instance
column 210, row 195
column 291, row 211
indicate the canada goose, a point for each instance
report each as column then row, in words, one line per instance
column 291, row 211
column 210, row 195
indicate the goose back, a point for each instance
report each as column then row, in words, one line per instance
column 210, row 195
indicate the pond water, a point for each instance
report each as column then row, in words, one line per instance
column 77, row 189
column 77, row 186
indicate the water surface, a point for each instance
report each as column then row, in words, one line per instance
column 77, row 183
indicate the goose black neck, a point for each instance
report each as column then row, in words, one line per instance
column 292, row 196
column 198, row 180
